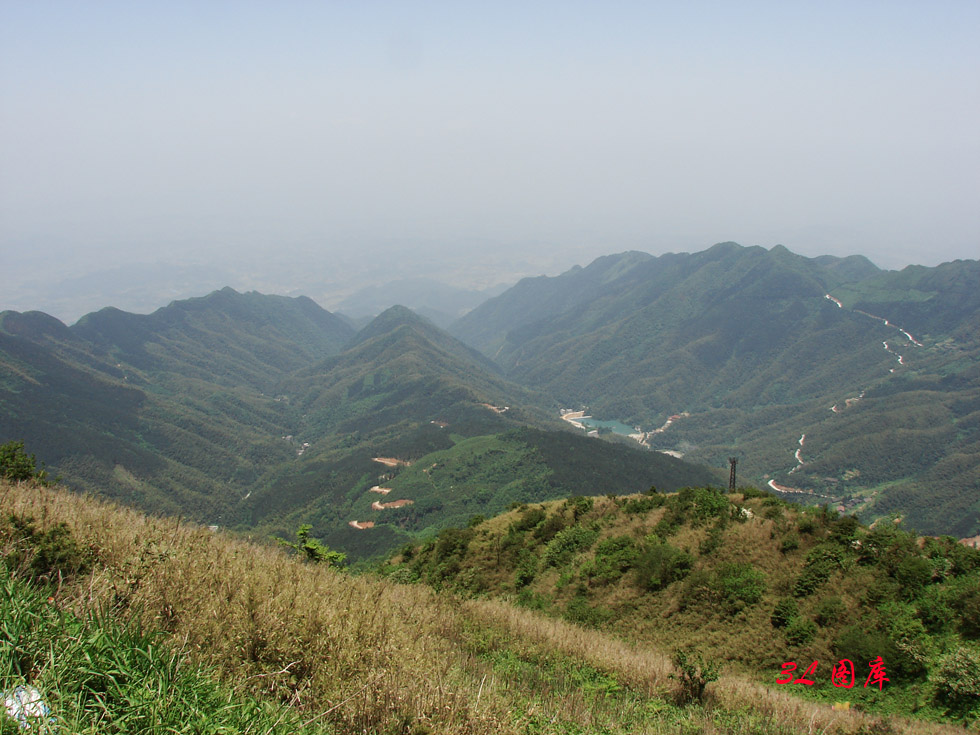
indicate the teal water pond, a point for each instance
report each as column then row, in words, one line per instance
column 617, row 427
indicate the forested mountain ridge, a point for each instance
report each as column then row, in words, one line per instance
column 174, row 410
column 262, row 411
column 803, row 367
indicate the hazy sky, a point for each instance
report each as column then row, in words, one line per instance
column 137, row 131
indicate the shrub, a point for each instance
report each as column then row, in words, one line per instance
column 660, row 564
column 800, row 632
column 707, row 503
column 16, row 465
column 784, row 613
column 530, row 518
column 913, row 573
column 790, row 542
column 863, row 646
column 312, row 550
column 693, row 674
column 643, row 504
column 967, row 604
column 740, row 585
column 37, row 555
column 550, row 528
column 820, row 564
column 580, row 611
column 713, row 541
column 829, row 611
column 844, row 530
column 957, row 682
column 773, row 513
column 806, row 524
column 613, row 557
column 579, row 505
column 566, row 543
column 526, row 570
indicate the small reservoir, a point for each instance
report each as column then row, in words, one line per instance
column 616, row 427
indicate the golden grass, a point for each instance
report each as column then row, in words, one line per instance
column 369, row 655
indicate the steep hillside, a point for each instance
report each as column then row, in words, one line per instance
column 768, row 356
column 225, row 409
column 174, row 411
column 318, row 650
column 745, row 578
column 411, row 411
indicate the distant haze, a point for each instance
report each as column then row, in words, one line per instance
column 322, row 147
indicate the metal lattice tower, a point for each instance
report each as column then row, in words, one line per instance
column 731, row 476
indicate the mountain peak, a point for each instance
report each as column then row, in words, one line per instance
column 392, row 318
column 32, row 324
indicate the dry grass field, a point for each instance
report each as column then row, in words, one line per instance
column 366, row 655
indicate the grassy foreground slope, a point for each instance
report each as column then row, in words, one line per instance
column 357, row 654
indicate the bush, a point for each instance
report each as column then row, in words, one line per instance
column 784, row 613
column 579, row 505
column 801, row 632
column 579, row 611
column 42, row 555
column 526, row 570
column 550, row 528
column 863, row 646
column 790, row 542
column 693, row 674
column 312, row 550
column 820, row 564
column 967, row 604
column 659, row 564
column 829, row 611
column 709, row 503
column 716, row 536
column 566, row 543
column 643, row 504
column 529, row 519
column 957, row 682
column 844, row 530
column 740, row 585
column 613, row 557
column 16, row 465
column 913, row 573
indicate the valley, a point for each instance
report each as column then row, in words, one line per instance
column 262, row 412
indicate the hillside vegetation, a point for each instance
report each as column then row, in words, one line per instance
column 823, row 375
column 744, row 578
column 251, row 411
column 340, row 653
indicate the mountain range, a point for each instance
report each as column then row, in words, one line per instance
column 829, row 379
column 826, row 377
column 266, row 412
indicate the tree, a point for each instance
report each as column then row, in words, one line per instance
column 16, row 465
column 312, row 550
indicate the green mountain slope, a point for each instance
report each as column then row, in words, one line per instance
column 165, row 410
column 754, row 351
column 262, row 412
column 455, row 436
column 744, row 578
